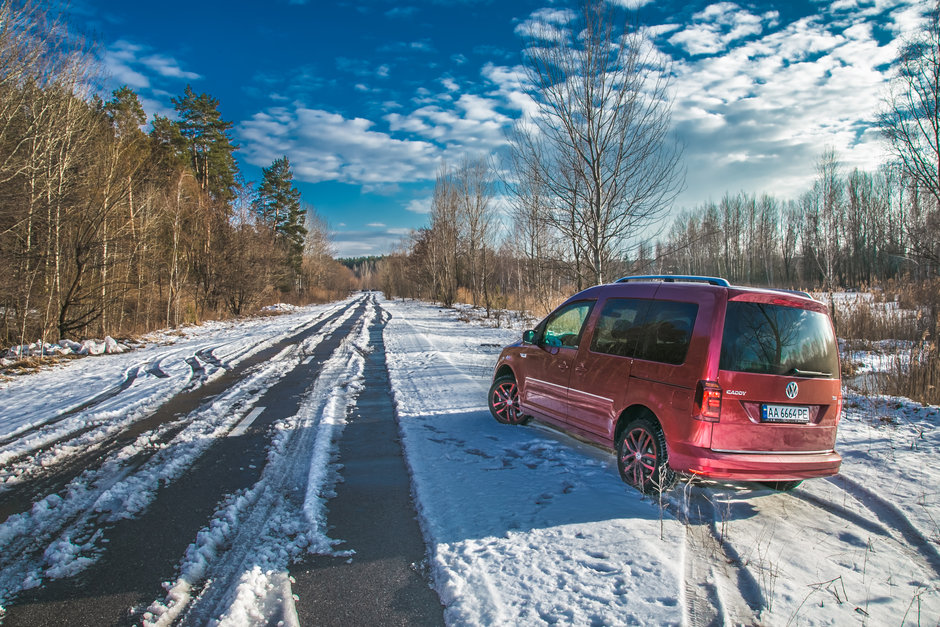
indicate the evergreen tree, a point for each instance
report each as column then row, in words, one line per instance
column 210, row 149
column 126, row 113
column 277, row 204
column 169, row 145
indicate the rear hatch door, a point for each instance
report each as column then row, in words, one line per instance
column 779, row 375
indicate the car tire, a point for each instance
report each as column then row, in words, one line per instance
column 504, row 401
column 642, row 457
column 782, row 486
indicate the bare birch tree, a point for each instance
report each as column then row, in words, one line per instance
column 600, row 136
column 473, row 181
column 910, row 121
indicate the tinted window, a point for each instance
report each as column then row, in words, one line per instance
column 666, row 332
column 645, row 329
column 616, row 331
column 563, row 328
column 772, row 339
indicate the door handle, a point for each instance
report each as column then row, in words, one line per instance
column 562, row 365
column 580, row 369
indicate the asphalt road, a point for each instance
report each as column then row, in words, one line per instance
column 382, row 583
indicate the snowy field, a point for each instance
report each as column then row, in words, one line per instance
column 524, row 525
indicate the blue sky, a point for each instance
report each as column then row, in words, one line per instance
column 366, row 98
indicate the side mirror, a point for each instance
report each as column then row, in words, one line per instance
column 528, row 337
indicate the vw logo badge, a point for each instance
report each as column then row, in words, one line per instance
column 792, row 389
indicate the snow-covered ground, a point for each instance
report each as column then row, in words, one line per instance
column 524, row 525
column 114, row 390
column 529, row 526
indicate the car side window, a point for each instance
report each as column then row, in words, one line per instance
column 667, row 331
column 564, row 327
column 617, row 327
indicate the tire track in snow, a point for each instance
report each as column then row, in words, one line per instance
column 717, row 589
column 130, row 375
column 48, row 467
column 51, row 431
column 888, row 521
column 277, row 518
column 61, row 534
column 896, row 522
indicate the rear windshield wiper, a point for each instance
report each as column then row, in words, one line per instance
column 796, row 372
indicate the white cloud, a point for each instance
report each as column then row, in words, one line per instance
column 167, row 66
column 325, row 146
column 719, row 25
column 119, row 59
column 757, row 116
column 632, row 5
column 419, row 205
column 510, row 87
column 546, row 24
column 147, row 72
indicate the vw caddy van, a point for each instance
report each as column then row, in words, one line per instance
column 684, row 374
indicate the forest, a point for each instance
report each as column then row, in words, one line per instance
column 106, row 229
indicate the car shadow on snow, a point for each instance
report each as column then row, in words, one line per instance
column 476, row 478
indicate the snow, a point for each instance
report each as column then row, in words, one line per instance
column 528, row 526
column 170, row 362
column 524, row 525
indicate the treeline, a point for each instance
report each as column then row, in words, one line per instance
column 108, row 229
column 850, row 230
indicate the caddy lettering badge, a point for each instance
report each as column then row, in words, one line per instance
column 792, row 389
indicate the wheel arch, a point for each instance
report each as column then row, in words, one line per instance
column 630, row 414
column 503, row 371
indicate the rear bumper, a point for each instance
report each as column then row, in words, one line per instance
column 747, row 466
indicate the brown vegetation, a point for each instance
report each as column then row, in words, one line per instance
column 108, row 230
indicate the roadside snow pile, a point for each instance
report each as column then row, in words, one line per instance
column 281, row 308
column 108, row 346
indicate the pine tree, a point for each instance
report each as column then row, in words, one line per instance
column 126, row 113
column 169, row 146
column 277, row 204
column 210, row 148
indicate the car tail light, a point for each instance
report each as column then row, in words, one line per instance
column 708, row 401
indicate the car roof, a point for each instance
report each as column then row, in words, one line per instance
column 697, row 284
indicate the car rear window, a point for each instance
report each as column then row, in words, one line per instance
column 774, row 339
column 645, row 329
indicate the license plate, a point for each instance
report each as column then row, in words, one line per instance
column 785, row 413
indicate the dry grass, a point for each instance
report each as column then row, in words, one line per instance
column 916, row 374
column 908, row 314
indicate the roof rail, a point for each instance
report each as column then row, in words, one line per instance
column 670, row 278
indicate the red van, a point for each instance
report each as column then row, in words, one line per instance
column 683, row 374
